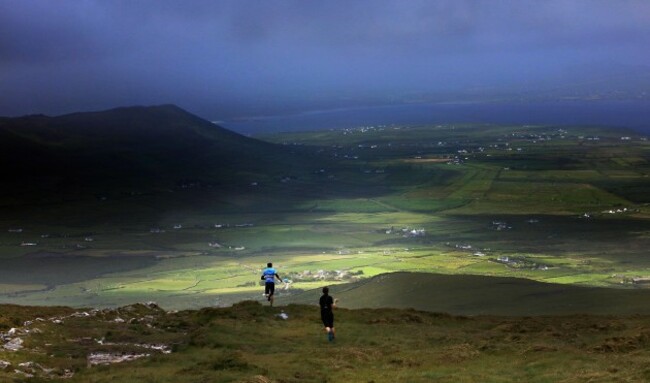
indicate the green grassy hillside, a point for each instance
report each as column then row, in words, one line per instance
column 251, row 343
column 480, row 295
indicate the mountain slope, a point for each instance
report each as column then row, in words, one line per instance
column 154, row 146
column 481, row 295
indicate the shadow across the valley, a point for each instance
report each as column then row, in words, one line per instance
column 54, row 269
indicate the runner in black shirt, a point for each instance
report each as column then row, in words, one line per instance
column 327, row 303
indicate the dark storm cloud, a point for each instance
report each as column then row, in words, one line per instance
column 225, row 58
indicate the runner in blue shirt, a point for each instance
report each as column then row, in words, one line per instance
column 268, row 276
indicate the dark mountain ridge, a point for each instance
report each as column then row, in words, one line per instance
column 157, row 146
column 166, row 125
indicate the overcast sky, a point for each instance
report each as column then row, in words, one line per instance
column 222, row 59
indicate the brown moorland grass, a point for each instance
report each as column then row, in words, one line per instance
column 249, row 342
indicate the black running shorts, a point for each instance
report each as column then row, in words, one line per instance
column 269, row 288
column 327, row 316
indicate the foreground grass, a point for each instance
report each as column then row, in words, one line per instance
column 250, row 343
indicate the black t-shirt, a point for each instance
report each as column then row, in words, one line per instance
column 326, row 303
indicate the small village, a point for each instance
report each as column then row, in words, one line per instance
column 520, row 262
column 514, row 262
column 405, row 232
column 325, row 275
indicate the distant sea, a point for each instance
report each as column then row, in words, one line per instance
column 628, row 114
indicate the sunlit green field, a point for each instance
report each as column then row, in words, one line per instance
column 540, row 203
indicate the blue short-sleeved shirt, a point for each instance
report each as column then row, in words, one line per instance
column 269, row 274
